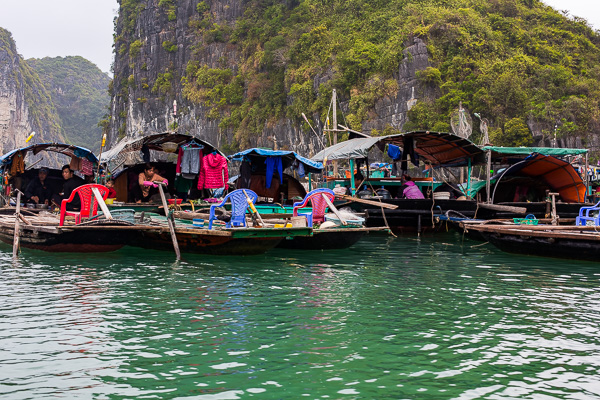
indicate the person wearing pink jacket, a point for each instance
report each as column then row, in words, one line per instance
column 411, row 191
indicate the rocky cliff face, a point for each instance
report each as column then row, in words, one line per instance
column 155, row 40
column 25, row 104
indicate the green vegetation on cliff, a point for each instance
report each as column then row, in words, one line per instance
column 79, row 92
column 513, row 61
column 42, row 113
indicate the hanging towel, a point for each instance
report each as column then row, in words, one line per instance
column 75, row 163
column 273, row 163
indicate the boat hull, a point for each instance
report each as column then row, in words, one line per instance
column 325, row 239
column 240, row 241
column 567, row 244
column 67, row 241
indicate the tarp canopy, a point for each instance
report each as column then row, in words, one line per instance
column 353, row 148
column 436, row 148
column 128, row 151
column 559, row 175
column 498, row 151
column 61, row 148
column 439, row 148
column 257, row 156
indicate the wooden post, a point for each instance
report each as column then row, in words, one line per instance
column 587, row 178
column 488, row 175
column 335, row 127
column 334, row 209
column 470, row 168
column 170, row 220
column 352, row 187
column 554, row 216
column 17, row 225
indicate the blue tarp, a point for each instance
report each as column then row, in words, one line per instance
column 288, row 158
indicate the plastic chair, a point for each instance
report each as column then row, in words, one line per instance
column 318, row 205
column 89, row 204
column 584, row 215
column 239, row 204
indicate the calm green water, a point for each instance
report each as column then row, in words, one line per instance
column 385, row 319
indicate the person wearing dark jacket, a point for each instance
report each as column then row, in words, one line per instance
column 71, row 183
column 37, row 190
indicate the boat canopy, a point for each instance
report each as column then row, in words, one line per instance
column 128, row 151
column 437, row 148
column 257, row 156
column 61, row 148
column 353, row 148
column 498, row 151
column 559, row 175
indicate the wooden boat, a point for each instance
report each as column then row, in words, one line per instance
column 218, row 241
column 536, row 169
column 569, row 242
column 329, row 239
column 43, row 232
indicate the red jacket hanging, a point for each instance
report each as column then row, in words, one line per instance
column 213, row 174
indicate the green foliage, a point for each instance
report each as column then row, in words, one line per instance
column 170, row 7
column 78, row 90
column 134, row 48
column 509, row 60
column 163, row 84
column 202, row 7
column 516, row 133
column 169, row 46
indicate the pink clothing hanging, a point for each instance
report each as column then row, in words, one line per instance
column 213, row 174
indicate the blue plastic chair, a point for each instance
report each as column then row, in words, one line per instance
column 584, row 215
column 317, row 203
column 239, row 205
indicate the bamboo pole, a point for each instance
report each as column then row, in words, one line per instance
column 170, row 220
column 253, row 208
column 101, row 203
column 17, row 225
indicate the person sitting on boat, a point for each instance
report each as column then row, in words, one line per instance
column 37, row 190
column 112, row 193
column 72, row 182
column 411, row 191
column 146, row 187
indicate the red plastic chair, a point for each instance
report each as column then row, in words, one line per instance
column 89, row 204
column 318, row 204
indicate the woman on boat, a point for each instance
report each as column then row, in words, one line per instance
column 411, row 191
column 146, row 188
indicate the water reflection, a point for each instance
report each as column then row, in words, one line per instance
column 403, row 318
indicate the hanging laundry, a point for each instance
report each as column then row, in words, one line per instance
column 87, row 167
column 214, row 173
column 394, row 152
column 76, row 163
column 145, row 153
column 18, row 164
column 273, row 163
column 245, row 175
column 409, row 150
column 189, row 161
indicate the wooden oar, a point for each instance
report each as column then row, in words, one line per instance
column 17, row 225
column 335, row 210
column 369, row 202
column 253, row 208
column 170, row 220
column 101, row 203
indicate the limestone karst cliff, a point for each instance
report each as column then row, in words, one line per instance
column 25, row 104
column 243, row 72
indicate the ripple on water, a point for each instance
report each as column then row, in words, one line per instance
column 404, row 318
